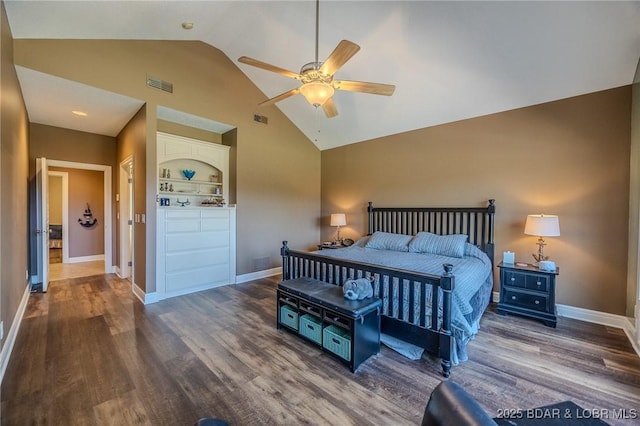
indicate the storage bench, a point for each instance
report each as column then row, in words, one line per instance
column 319, row 313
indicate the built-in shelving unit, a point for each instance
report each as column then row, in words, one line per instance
column 196, row 228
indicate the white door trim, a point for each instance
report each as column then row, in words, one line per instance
column 108, row 238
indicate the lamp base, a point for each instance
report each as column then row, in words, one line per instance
column 540, row 256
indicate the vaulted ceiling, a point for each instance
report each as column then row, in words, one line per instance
column 449, row 60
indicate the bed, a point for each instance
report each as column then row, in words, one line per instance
column 55, row 236
column 417, row 258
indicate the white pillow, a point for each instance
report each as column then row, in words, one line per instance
column 445, row 245
column 388, row 241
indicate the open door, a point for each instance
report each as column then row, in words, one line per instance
column 126, row 219
column 42, row 223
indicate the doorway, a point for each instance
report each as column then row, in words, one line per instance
column 78, row 266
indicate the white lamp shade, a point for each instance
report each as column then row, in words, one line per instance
column 338, row 219
column 542, row 225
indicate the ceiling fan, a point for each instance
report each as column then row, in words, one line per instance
column 318, row 85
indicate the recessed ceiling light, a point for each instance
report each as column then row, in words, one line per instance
column 80, row 113
column 187, row 25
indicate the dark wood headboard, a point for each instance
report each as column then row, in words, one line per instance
column 476, row 222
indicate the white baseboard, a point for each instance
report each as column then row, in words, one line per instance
column 596, row 317
column 7, row 348
column 148, row 298
column 84, row 258
column 257, row 275
column 145, row 298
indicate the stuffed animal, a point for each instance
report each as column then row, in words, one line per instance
column 357, row 289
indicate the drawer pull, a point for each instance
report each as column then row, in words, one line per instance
column 513, row 298
column 513, row 279
column 537, row 302
column 539, row 283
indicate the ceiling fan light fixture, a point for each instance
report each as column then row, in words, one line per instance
column 316, row 92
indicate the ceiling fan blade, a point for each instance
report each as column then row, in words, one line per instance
column 364, row 87
column 340, row 55
column 268, row 67
column 280, row 97
column 329, row 108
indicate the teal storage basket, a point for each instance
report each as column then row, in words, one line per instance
column 311, row 328
column 289, row 316
column 338, row 341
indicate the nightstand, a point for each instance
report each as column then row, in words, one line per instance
column 529, row 291
column 333, row 245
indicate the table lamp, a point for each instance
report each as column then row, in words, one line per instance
column 542, row 225
column 338, row 219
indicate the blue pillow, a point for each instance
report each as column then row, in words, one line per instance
column 445, row 245
column 388, row 241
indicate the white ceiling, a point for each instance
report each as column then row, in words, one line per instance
column 449, row 60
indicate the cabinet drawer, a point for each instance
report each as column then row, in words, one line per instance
column 537, row 282
column 536, row 302
column 514, row 279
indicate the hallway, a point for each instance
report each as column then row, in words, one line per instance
column 63, row 271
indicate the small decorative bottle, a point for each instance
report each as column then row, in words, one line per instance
column 168, row 173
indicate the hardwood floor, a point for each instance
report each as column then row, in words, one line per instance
column 88, row 352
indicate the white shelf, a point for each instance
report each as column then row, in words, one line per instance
column 199, row 182
column 193, row 194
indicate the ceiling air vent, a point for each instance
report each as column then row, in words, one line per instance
column 156, row 83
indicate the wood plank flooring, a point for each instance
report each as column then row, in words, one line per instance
column 88, row 352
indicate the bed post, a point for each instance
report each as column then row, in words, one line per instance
column 447, row 283
column 491, row 209
column 284, row 252
column 370, row 224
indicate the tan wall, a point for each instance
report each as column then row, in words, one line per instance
column 569, row 158
column 55, row 200
column 634, row 201
column 132, row 142
column 85, row 186
column 189, row 132
column 14, row 178
column 277, row 169
column 55, row 143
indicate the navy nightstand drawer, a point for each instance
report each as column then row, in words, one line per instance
column 537, row 282
column 527, row 300
column 514, row 279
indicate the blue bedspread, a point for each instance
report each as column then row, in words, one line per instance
column 473, row 282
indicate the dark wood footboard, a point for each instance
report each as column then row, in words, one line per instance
column 406, row 321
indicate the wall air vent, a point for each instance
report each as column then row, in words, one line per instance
column 156, row 83
column 260, row 119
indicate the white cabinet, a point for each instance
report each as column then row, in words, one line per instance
column 196, row 249
column 210, row 162
column 196, row 244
